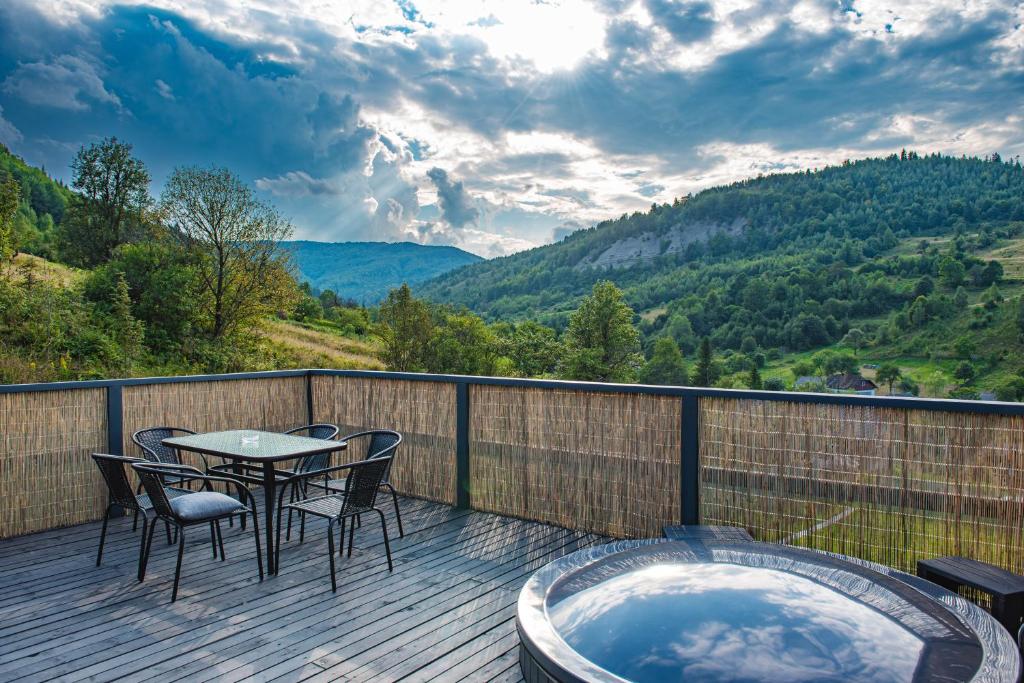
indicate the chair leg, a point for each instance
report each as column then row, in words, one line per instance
column 149, row 548
column 220, row 540
column 330, row 554
column 351, row 533
column 259, row 553
column 341, row 539
column 387, row 544
column 103, row 535
column 291, row 499
column 135, row 520
column 142, row 547
column 177, row 568
column 213, row 538
column 302, row 527
column 167, row 527
column 277, row 543
column 398, row 514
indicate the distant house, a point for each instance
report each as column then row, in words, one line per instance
column 850, row 383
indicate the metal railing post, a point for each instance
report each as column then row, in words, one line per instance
column 689, row 462
column 463, row 499
column 115, row 420
column 310, row 413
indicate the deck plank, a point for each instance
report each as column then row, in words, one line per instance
column 445, row 613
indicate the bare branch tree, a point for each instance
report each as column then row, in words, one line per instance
column 236, row 241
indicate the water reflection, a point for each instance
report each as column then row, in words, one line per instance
column 711, row 621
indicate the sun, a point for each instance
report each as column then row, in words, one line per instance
column 553, row 35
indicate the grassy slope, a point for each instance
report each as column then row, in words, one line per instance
column 319, row 346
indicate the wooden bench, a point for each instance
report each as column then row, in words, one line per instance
column 1006, row 588
column 704, row 532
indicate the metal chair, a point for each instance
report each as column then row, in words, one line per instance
column 150, row 440
column 383, row 443
column 203, row 507
column 363, row 483
column 120, row 493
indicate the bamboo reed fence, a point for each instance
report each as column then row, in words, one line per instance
column 423, row 412
column 884, row 484
column 600, row 462
column 271, row 404
column 47, row 478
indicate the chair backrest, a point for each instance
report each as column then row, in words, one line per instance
column 363, row 483
column 152, row 481
column 318, row 461
column 119, row 488
column 150, row 441
column 383, row 443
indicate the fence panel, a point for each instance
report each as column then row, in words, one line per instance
column 885, row 484
column 271, row 403
column 423, row 412
column 601, row 462
column 47, row 478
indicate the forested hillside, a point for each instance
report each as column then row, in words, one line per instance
column 815, row 250
column 365, row 271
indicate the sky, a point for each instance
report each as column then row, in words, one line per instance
column 500, row 125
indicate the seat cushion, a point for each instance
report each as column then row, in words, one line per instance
column 205, row 505
column 146, row 504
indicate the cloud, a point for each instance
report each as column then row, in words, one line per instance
column 297, row 184
column 564, row 230
column 65, row 82
column 686, row 21
column 165, row 91
column 358, row 122
column 9, row 134
column 457, row 207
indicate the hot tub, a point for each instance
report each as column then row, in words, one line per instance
column 723, row 611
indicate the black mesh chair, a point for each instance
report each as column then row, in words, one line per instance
column 202, row 507
column 151, row 442
column 380, row 443
column 363, row 483
column 120, row 493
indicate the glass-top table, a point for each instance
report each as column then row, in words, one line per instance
column 719, row 611
column 258, row 448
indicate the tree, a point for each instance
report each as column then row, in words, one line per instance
column 404, row 328
column 462, row 344
column 534, row 349
column 109, row 208
column 705, row 374
column 754, row 380
column 601, row 343
column 855, row 338
column 10, row 194
column 1020, row 317
column 835, row 362
column 666, row 365
column 951, row 272
column 964, row 347
column 964, row 372
column 774, row 384
column 235, row 241
column 889, row 374
column 163, row 288
column 991, row 297
column 918, row 313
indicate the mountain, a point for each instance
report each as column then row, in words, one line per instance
column 788, row 260
column 365, row 271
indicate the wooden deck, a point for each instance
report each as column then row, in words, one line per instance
column 446, row 613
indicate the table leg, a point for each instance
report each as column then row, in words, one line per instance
column 269, row 480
